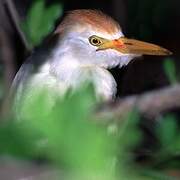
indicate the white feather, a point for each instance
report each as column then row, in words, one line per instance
column 75, row 61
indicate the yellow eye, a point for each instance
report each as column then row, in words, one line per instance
column 95, row 41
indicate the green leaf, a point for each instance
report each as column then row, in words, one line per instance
column 34, row 19
column 67, row 133
column 16, row 139
column 55, row 11
column 50, row 15
column 170, row 70
column 167, row 131
column 40, row 21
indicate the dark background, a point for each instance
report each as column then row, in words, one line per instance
column 155, row 21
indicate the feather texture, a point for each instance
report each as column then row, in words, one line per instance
column 94, row 18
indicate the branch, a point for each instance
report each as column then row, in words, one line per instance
column 7, row 58
column 150, row 104
column 14, row 17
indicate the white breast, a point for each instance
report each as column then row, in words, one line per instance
column 73, row 76
column 104, row 83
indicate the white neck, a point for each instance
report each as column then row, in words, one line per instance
column 70, row 71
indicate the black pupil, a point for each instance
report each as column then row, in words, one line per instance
column 95, row 41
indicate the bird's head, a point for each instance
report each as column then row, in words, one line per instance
column 94, row 38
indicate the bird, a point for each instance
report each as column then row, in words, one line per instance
column 82, row 48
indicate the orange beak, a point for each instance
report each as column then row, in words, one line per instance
column 132, row 46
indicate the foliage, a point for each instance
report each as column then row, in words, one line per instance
column 69, row 136
column 170, row 70
column 169, row 138
column 40, row 21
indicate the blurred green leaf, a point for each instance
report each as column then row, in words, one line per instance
column 73, row 138
column 19, row 141
column 51, row 14
column 67, row 134
column 34, row 20
column 167, row 130
column 129, row 138
column 40, row 21
column 170, row 69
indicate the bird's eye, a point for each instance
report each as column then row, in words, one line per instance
column 95, row 41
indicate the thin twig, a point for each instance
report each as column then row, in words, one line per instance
column 14, row 17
